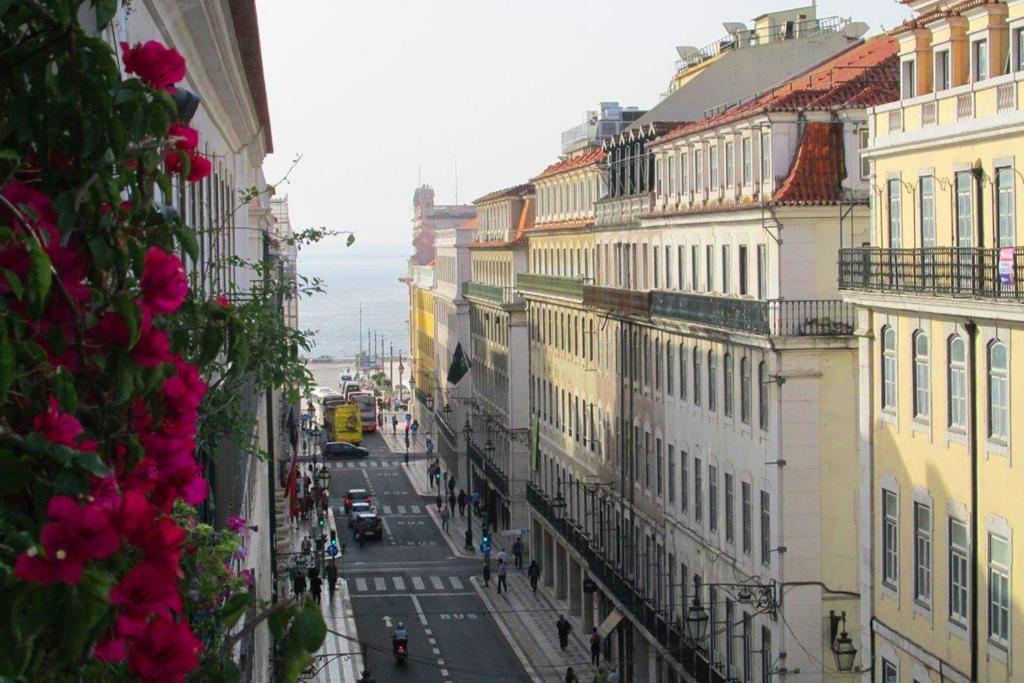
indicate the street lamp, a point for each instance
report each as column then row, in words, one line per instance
column 467, row 431
column 489, row 450
column 323, row 477
column 558, row 505
column 696, row 616
column 842, row 645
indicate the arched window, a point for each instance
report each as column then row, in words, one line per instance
column 696, row 376
column 888, row 368
column 998, row 392
column 712, row 381
column 762, row 394
column 922, row 383
column 729, row 377
column 745, row 390
column 956, row 381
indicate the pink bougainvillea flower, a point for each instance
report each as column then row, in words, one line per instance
column 110, row 650
column 158, row 66
column 165, row 652
column 149, row 588
column 74, row 535
column 236, row 524
column 199, row 168
column 222, row 301
column 164, row 285
column 153, row 347
column 182, row 395
column 189, row 136
column 24, row 196
column 57, row 427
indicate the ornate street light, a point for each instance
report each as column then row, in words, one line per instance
column 696, row 617
column 842, row 646
column 467, row 431
column 558, row 505
column 447, row 410
column 323, row 477
column 489, row 449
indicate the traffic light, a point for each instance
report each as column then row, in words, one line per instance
column 332, row 549
column 321, row 520
column 485, row 542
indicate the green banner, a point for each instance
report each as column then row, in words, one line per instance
column 534, row 442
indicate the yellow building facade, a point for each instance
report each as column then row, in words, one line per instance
column 422, row 333
column 941, row 327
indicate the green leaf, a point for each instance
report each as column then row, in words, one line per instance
column 277, row 622
column 64, row 390
column 105, row 11
column 187, row 239
column 39, row 279
column 125, row 381
column 92, row 462
column 350, row 240
column 295, row 661
column 309, row 627
column 210, row 346
column 129, row 310
column 233, row 610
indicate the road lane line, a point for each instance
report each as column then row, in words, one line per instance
column 419, row 609
column 437, row 583
column 417, row 583
column 504, row 630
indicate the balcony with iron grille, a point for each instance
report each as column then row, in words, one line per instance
column 773, row 317
column 491, row 293
column 618, row 301
column 954, row 272
column 550, row 285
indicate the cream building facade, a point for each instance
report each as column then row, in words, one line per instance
column 939, row 321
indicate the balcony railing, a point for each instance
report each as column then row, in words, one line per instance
column 963, row 272
column 1006, row 97
column 965, row 106
column 498, row 295
column 615, row 300
column 896, row 120
column 551, row 285
column 777, row 317
column 493, row 473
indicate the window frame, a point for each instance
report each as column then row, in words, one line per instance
column 958, row 569
column 923, row 569
column 998, row 429
column 999, row 575
column 921, row 376
column 890, row 555
column 889, row 370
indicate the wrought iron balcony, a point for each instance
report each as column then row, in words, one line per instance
column 492, row 293
column 959, row 272
column 775, row 317
column 550, row 285
column 615, row 300
column 493, row 473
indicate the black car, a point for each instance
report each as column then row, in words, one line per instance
column 369, row 524
column 344, row 449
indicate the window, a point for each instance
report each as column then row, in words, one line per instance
column 713, row 168
column 730, row 164
column 865, row 163
column 748, row 160
column 922, row 553
column 670, row 166
column 1018, row 42
column 979, row 59
column 908, row 79
column 766, row 654
column 889, row 673
column 668, row 267
column 744, row 267
column 766, row 530
column 964, row 209
column 684, row 175
column 682, row 372
column 957, row 383
column 696, row 376
column 730, row 647
column 922, row 391
column 998, row 392
column 681, row 267
column 890, row 539
column 695, row 267
column 698, row 492
column 726, row 269
column 766, row 157
column 730, row 512
column 712, row 381
column 698, row 170
column 888, row 368
column 729, row 378
column 762, row 271
column 895, row 218
column 762, row 395
column 671, row 475
column 709, row 268
column 712, row 498
column 657, row 364
column 745, row 390
column 748, row 648
column 998, row 590
column 670, row 369
column 927, row 199
column 659, row 464
column 958, row 572
column 942, row 70
column 684, row 484
column 1005, row 215
column 747, row 517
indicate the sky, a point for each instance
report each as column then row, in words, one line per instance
column 376, row 95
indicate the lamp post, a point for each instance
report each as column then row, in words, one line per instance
column 842, row 645
column 696, row 616
column 467, row 431
column 401, row 374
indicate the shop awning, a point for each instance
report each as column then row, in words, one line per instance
column 609, row 623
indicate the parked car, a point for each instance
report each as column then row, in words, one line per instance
column 359, row 507
column 356, row 495
column 370, row 524
column 344, row 449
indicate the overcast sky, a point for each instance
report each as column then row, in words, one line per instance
column 374, row 93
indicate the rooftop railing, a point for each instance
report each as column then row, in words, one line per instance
column 775, row 317
column 551, row 285
column 492, row 293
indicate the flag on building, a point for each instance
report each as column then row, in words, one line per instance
column 460, row 365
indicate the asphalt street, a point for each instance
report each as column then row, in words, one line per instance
column 412, row 576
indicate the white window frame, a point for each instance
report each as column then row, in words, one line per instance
column 922, row 376
column 923, row 554
column 890, row 511
column 959, row 573
column 956, row 384
column 889, row 394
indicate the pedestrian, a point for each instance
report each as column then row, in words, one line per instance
column 307, row 546
column 451, row 502
column 415, row 428
column 429, row 446
column 517, row 552
column 332, row 577
column 451, row 484
column 502, row 575
column 570, row 676
column 430, row 472
column 394, row 424
column 462, row 502
column 595, row 648
column 315, row 585
column 534, row 573
column 487, row 573
column 563, row 627
column 299, row 584
column 502, row 556
column 445, row 518
column 439, row 501
column 613, row 675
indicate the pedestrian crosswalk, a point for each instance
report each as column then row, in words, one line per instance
column 402, row 510
column 382, row 584
column 362, row 464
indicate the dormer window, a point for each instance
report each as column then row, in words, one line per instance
column 942, row 80
column 908, row 79
column 979, row 59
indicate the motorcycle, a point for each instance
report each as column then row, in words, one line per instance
column 401, row 649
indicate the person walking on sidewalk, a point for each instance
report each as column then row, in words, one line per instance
column 487, row 573
column 394, row 425
column 517, row 552
column 595, row 648
column 429, row 446
column 462, row 502
column 534, row 573
column 570, row 676
column 564, row 627
column 446, row 516
column 502, row 575
column 315, row 586
column 451, row 502
column 299, row 583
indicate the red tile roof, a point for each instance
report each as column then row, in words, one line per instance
column 862, row 76
column 514, row 191
column 592, row 157
column 471, row 224
column 818, row 169
column 562, row 225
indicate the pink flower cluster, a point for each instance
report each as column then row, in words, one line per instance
column 126, row 514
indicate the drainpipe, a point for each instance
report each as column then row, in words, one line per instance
column 780, row 543
column 972, row 447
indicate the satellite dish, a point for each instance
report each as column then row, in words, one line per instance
column 734, row 27
column 686, row 50
column 855, row 29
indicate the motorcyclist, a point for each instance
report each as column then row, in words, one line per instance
column 399, row 635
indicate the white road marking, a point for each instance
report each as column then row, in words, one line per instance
column 379, row 583
column 456, row 584
column 401, row 509
column 387, row 509
column 360, row 585
column 419, row 609
column 414, row 509
column 437, row 583
column 417, row 583
column 399, row 583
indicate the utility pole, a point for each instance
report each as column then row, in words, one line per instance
column 360, row 332
column 391, row 362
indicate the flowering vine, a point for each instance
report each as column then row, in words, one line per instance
column 113, row 365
